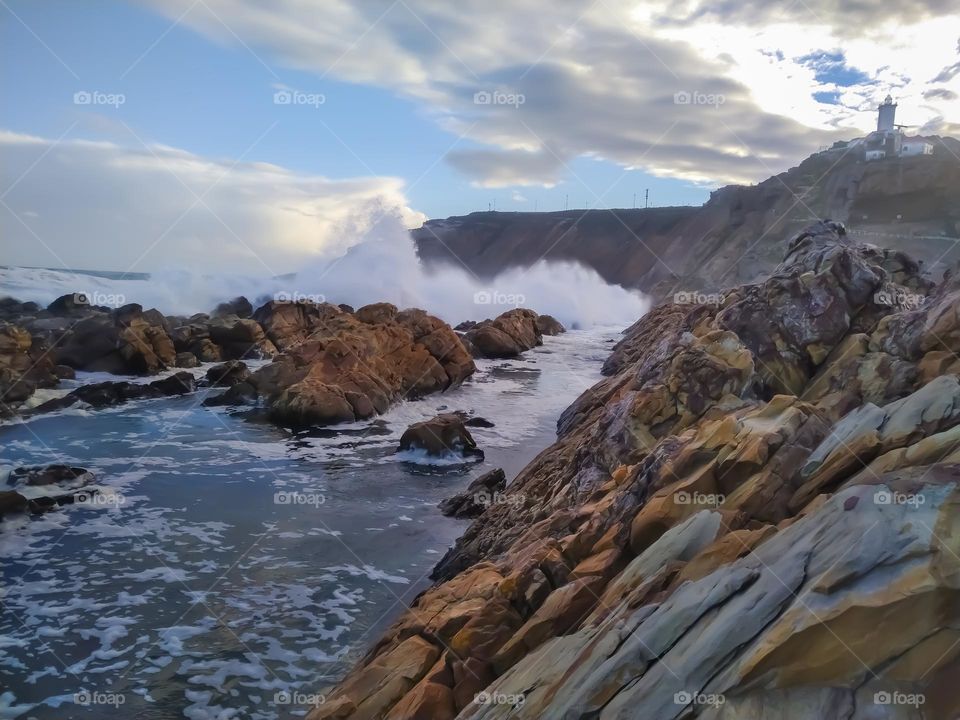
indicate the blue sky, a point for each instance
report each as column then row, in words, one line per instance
column 216, row 100
column 618, row 97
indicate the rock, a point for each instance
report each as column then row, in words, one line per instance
column 508, row 335
column 239, row 306
column 243, row 393
column 228, row 374
column 440, row 436
column 240, row 338
column 49, row 475
column 478, row 422
column 480, row 494
column 25, row 364
column 549, row 325
column 107, row 394
column 11, row 502
column 186, row 360
column 128, row 341
column 338, row 366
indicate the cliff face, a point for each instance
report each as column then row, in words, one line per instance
column 911, row 204
column 755, row 514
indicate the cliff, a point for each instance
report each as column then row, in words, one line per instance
column 755, row 514
column 911, row 204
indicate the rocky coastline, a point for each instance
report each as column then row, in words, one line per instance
column 753, row 515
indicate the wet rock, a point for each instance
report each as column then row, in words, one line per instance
column 549, row 325
column 507, row 335
column 443, row 435
column 11, row 502
column 242, row 393
column 239, row 306
column 337, row 366
column 228, row 374
column 107, row 394
column 186, row 360
column 479, row 495
column 49, row 474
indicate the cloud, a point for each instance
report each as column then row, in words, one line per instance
column 598, row 80
column 98, row 205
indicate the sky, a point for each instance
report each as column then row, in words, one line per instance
column 251, row 136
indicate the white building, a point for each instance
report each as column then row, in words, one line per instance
column 889, row 141
column 915, row 146
column 886, row 115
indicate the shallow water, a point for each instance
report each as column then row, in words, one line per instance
column 231, row 568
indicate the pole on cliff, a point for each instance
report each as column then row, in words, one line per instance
column 646, row 198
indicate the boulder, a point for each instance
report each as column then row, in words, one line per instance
column 507, row 335
column 479, row 495
column 25, row 364
column 228, row 374
column 337, row 366
column 549, row 325
column 443, row 435
column 239, row 307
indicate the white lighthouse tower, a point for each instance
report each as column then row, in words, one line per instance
column 887, row 115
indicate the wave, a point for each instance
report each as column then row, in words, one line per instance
column 380, row 266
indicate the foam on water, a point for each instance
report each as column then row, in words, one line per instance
column 201, row 594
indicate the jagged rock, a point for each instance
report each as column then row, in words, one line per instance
column 106, row 394
column 338, row 366
column 25, row 364
column 445, row 434
column 127, row 341
column 759, row 503
column 479, row 495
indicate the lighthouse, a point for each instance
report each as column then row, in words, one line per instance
column 886, row 116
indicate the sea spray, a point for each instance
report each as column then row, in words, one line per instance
column 380, row 266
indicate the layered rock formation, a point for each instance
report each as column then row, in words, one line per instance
column 754, row 515
column 911, row 204
column 443, row 435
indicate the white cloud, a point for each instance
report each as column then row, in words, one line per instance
column 98, row 205
column 598, row 79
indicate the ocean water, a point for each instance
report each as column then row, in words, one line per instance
column 231, row 569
